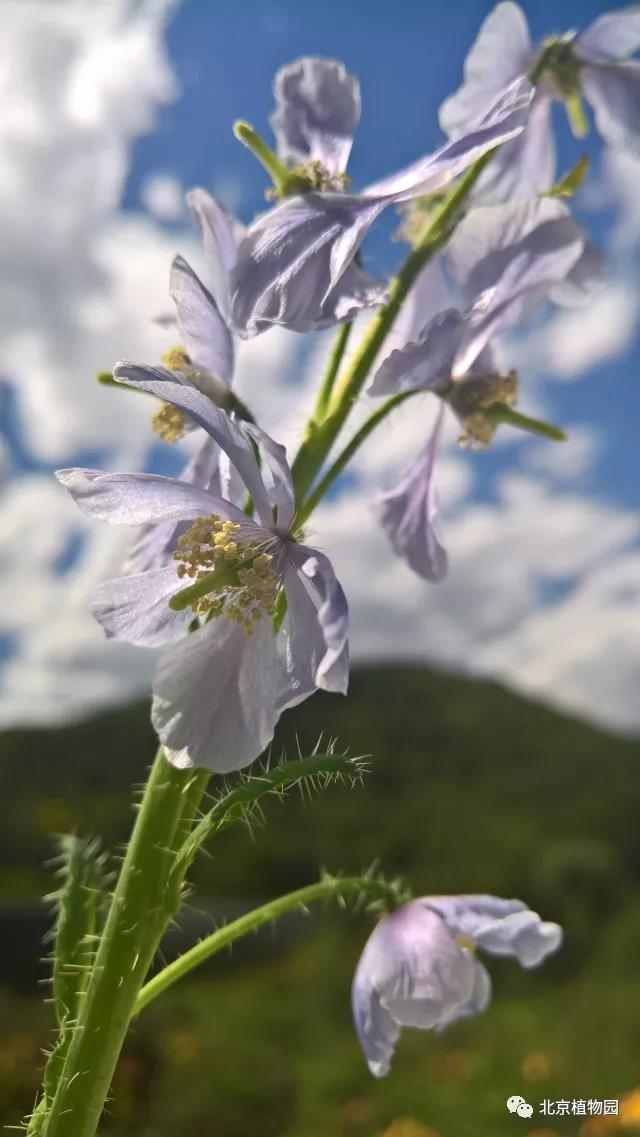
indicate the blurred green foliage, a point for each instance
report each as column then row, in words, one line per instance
column 471, row 789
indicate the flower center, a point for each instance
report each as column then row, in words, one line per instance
column 231, row 577
column 472, row 397
column 313, row 175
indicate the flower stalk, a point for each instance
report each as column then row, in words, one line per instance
column 141, row 908
column 330, row 888
column 320, row 437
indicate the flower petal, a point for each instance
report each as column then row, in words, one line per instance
column 315, row 629
column 615, row 35
column 425, row 365
column 136, row 608
column 477, row 1002
column 377, row 1031
column 409, row 514
column 214, row 702
column 317, row 112
column 333, row 619
column 292, row 260
column 500, row 927
column 136, row 499
column 157, row 539
column 505, row 119
column 614, row 93
column 428, row 297
column 279, row 483
column 526, row 279
column 202, row 330
column 411, row 967
column 525, row 166
column 221, row 234
column 489, row 238
column 500, row 52
column 227, row 433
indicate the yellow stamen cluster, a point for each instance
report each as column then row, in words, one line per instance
column 176, row 359
column 246, row 585
column 169, row 423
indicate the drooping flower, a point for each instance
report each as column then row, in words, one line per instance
column 419, row 967
column 296, row 264
column 274, row 619
column 595, row 64
column 504, row 260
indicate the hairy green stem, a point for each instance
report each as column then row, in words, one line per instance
column 346, row 455
column 234, row 804
column 142, row 906
column 331, row 887
column 320, row 437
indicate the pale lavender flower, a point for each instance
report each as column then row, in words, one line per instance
column 419, row 967
column 296, row 264
column 219, row 691
column 504, row 260
column 595, row 64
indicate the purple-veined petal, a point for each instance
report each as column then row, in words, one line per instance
column 278, row 481
column 317, row 112
column 228, row 434
column 214, row 700
column 137, row 499
column 136, row 608
column 500, row 52
column 499, row 927
column 221, row 234
column 419, row 975
column 409, row 513
column 157, row 539
column 614, row 93
column 292, row 259
column 425, row 365
column 505, row 119
column 525, row 166
column 613, row 36
column 202, row 330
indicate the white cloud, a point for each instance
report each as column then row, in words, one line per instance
column 163, row 196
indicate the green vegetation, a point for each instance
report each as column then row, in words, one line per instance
column 470, row 789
